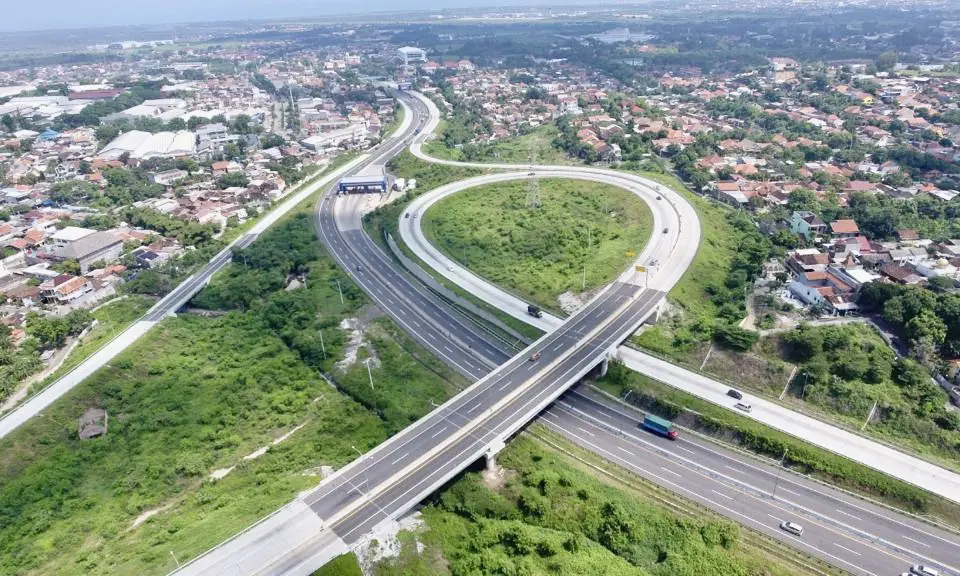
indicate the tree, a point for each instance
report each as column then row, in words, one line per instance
column 802, row 199
column 734, row 337
column 235, row 179
column 886, row 61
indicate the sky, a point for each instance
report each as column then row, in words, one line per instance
column 64, row 14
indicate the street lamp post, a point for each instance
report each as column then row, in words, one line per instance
column 777, row 482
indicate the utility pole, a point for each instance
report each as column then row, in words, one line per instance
column 370, row 374
column 533, row 187
column 777, row 482
column 586, row 254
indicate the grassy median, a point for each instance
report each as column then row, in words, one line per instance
column 542, row 252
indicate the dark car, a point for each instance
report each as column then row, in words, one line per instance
column 659, row 197
column 734, row 394
column 665, row 230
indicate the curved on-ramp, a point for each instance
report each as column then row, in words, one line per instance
column 900, row 465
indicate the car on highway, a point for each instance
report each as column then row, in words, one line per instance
column 743, row 407
column 665, row 230
column 735, row 394
column 792, row 527
column 358, row 267
column 924, row 570
column 531, row 173
column 534, row 311
column 407, row 215
column 659, row 198
column 535, row 356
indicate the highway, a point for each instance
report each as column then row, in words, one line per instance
column 845, row 531
column 385, row 482
column 167, row 305
column 664, row 275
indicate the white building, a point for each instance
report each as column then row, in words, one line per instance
column 353, row 134
column 410, row 55
column 144, row 145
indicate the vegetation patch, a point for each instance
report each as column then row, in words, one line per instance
column 553, row 516
column 542, row 252
column 343, row 565
column 198, row 394
column 851, row 373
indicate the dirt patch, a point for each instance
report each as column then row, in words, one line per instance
column 221, row 473
column 147, row 514
column 497, row 479
column 382, row 542
column 356, row 331
column 570, row 302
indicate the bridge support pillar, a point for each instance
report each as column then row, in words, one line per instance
column 604, row 366
column 491, row 457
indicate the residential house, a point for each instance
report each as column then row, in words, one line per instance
column 64, row 288
column 807, row 224
column 844, row 229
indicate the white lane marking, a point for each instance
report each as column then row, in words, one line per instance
column 669, row 471
column 722, row 494
column 788, row 491
column 580, row 428
column 847, row 549
column 915, row 541
column 431, row 336
column 475, row 406
column 622, row 449
column 731, row 511
column 447, row 348
column 849, row 514
column 404, row 455
column 737, row 470
column 439, row 432
column 685, row 449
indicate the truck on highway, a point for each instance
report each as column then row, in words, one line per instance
column 534, row 311
column 660, row 426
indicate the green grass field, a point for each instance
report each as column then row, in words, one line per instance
column 196, row 395
column 541, row 253
column 512, row 150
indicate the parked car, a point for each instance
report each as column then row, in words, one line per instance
column 792, row 527
column 743, row 406
column 735, row 394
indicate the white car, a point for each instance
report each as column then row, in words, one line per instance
column 923, row 570
column 792, row 527
column 743, row 406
